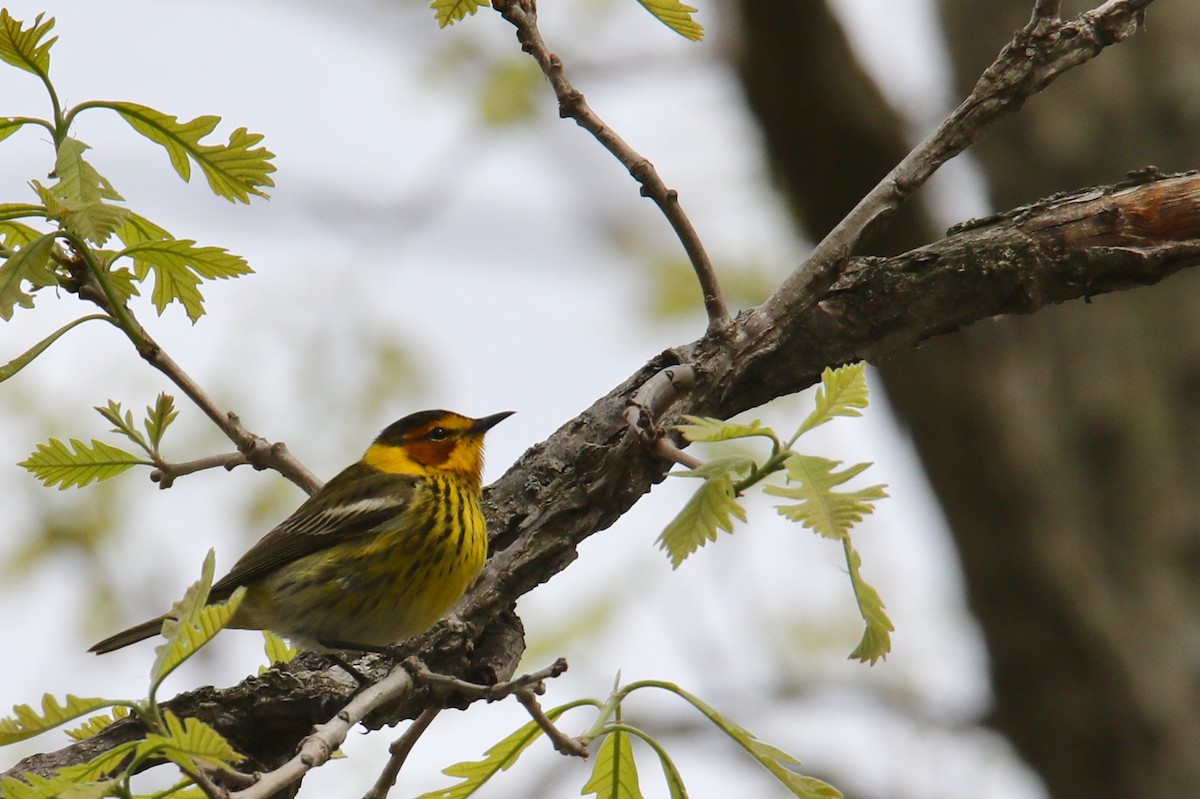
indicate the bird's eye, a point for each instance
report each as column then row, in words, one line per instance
column 438, row 434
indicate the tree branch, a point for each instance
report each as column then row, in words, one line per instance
column 571, row 105
column 258, row 452
column 1038, row 54
column 594, row 468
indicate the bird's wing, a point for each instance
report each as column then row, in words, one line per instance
column 355, row 502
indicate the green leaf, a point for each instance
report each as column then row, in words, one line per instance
column 123, row 284
column 75, row 467
column 843, row 392
column 159, row 418
column 190, row 624
column 773, row 759
column 26, row 722
column 710, row 509
column 234, row 170
column 21, row 361
column 277, row 649
column 137, row 229
column 78, row 197
column 178, row 267
column 821, row 509
column 106, row 762
column 122, row 422
column 670, row 772
column 14, row 235
column 500, row 757
column 676, row 16
column 728, row 466
column 450, row 11
column 706, row 428
column 877, row 640
column 30, row 264
column 614, row 774
column 97, row 724
column 189, row 740
column 33, row 786
column 78, row 181
column 26, row 48
column 10, row 125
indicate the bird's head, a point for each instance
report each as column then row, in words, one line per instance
column 431, row 442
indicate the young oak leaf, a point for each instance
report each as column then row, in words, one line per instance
column 122, row 422
column 778, row 762
column 31, row 264
column 235, row 170
column 26, row 48
column 34, row 786
column 191, row 623
column 676, row 16
column 24, row 359
column 499, row 757
column 877, row 639
column 159, row 417
column 56, row 464
column 448, row 12
column 97, row 724
column 614, row 774
column 277, row 649
column 26, row 722
column 711, row 509
column 188, row 740
column 706, row 428
column 78, row 197
column 821, row 509
column 10, row 125
column 179, row 266
column 843, row 392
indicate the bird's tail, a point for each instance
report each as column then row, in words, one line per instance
column 139, row 632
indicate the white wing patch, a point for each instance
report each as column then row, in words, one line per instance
column 365, row 505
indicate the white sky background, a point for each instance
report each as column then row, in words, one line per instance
column 481, row 253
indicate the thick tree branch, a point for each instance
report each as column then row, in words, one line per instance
column 594, row 468
column 1043, row 50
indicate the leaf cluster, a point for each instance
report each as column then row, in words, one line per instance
column 189, row 743
column 812, row 483
column 75, row 464
column 614, row 773
column 78, row 236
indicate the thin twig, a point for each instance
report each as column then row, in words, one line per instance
column 258, row 452
column 490, row 693
column 572, row 105
column 562, row 742
column 651, row 400
column 666, row 448
column 210, row 788
column 165, row 473
column 1038, row 54
column 399, row 753
column 325, row 739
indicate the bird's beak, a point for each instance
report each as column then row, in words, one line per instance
column 488, row 422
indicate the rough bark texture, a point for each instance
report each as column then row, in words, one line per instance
column 594, row 468
column 1061, row 445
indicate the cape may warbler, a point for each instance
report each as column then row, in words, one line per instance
column 377, row 555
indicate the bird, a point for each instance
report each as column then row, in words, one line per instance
column 377, row 555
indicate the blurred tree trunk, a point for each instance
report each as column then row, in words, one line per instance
column 1065, row 446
